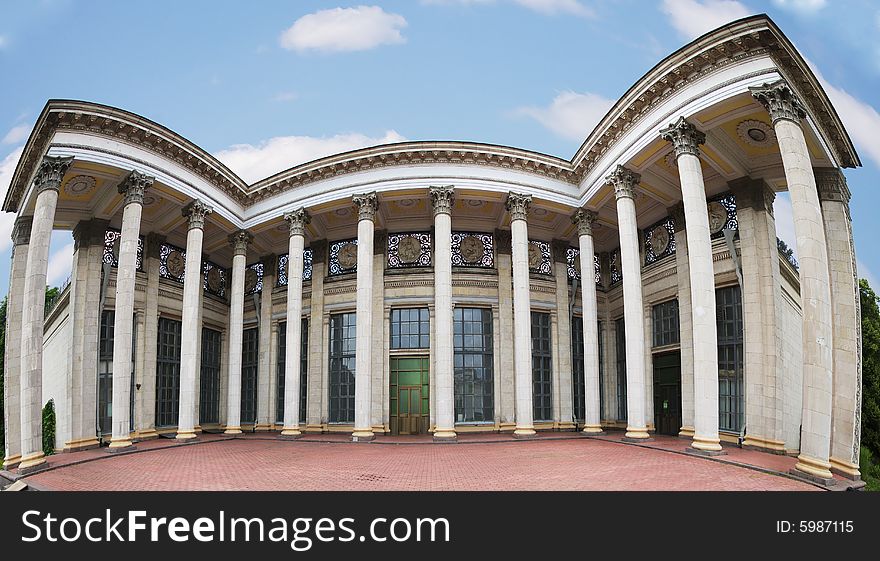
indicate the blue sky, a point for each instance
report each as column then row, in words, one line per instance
column 267, row 85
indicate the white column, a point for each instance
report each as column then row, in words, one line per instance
column 367, row 204
column 196, row 211
column 518, row 206
column 625, row 182
column 686, row 140
column 239, row 242
column 21, row 235
column 146, row 427
column 442, row 199
column 592, row 415
column 297, row 221
column 46, row 183
column 132, row 188
column 786, row 113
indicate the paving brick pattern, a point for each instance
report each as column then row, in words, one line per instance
column 479, row 462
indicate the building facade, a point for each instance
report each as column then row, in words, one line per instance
column 449, row 287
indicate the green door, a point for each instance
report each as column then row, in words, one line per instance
column 409, row 395
column 667, row 393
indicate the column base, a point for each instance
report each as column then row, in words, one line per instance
column 11, row 462
column 31, row 463
column 566, row 426
column 120, row 447
column 702, row 452
column 363, row 435
column 147, row 434
column 262, row 427
column 523, row 433
column 80, row 444
column 845, row 469
column 232, row 430
column 637, row 435
column 813, row 469
column 706, row 446
column 686, row 432
column 445, row 436
column 290, row 434
column 763, row 444
column 186, row 435
column 592, row 430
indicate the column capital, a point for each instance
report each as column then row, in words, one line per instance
column 676, row 213
column 560, row 251
column 684, row 136
column 21, row 231
column 151, row 245
column 240, row 241
column 319, row 251
column 51, row 172
column 502, row 241
column 584, row 220
column 518, row 205
column 442, row 199
column 831, row 184
column 196, row 211
column 624, row 181
column 297, row 220
column 780, row 101
column 133, row 186
column 367, row 205
column 753, row 193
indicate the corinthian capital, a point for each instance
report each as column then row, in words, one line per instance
column 779, row 101
column 518, row 205
column 196, row 211
column 584, row 220
column 684, row 136
column 442, row 199
column 624, row 181
column 50, row 173
column 297, row 220
column 240, row 241
column 367, row 204
column 133, row 187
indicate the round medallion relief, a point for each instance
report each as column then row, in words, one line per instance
column 348, row 256
column 175, row 263
column 80, row 185
column 250, row 280
column 472, row 249
column 409, row 249
column 535, row 256
column 215, row 283
column 659, row 240
column 717, row 216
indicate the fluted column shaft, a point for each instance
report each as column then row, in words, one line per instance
column 686, row 139
column 12, row 360
column 363, row 429
column 625, row 182
column 786, row 113
column 239, row 242
column 192, row 288
column 592, row 414
column 518, row 206
column 444, row 377
column 132, row 187
column 297, row 221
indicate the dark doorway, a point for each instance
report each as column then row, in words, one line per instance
column 667, row 393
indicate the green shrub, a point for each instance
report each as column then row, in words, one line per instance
column 870, row 469
column 49, row 428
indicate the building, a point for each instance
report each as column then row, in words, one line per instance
column 448, row 287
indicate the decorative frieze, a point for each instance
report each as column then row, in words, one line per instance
column 473, row 249
column 343, row 257
column 409, row 249
column 659, row 240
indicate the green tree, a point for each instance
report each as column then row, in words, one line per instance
column 870, row 368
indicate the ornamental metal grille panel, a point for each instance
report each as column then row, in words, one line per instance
column 111, row 249
column 614, row 263
column 253, row 278
column 729, row 320
column 409, row 249
column 308, row 255
column 172, row 262
column 209, row 381
column 573, row 259
column 472, row 249
column 659, row 241
column 542, row 367
column 722, row 214
column 303, row 370
column 665, row 323
column 343, row 257
column 214, row 279
column 473, row 365
column 539, row 258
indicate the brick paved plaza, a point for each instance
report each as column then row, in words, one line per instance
column 488, row 462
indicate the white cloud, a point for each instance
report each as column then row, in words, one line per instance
column 16, row 134
column 285, row 96
column 7, row 219
column 60, row 264
column 344, row 29
column 253, row 163
column 801, row 6
column 546, row 7
column 692, row 18
column 571, row 115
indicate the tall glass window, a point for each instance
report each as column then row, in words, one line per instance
column 303, row 370
column 665, row 323
column 168, row 373
column 577, row 365
column 542, row 368
column 250, row 352
column 209, row 380
column 621, row 370
column 601, row 327
column 410, row 328
column 473, row 363
column 342, row 367
column 728, row 303
column 105, row 373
